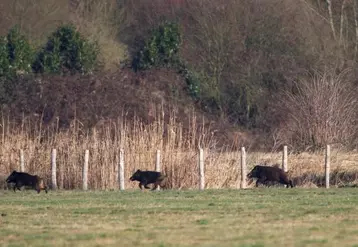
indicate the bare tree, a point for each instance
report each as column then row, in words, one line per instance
column 321, row 109
column 341, row 15
column 214, row 35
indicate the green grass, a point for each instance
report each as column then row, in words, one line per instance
column 253, row 217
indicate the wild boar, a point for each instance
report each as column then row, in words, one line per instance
column 148, row 177
column 265, row 174
column 24, row 179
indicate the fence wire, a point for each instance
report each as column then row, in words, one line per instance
column 222, row 169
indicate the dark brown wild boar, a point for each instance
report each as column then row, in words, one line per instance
column 265, row 174
column 24, row 179
column 148, row 177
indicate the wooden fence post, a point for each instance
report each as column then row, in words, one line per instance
column 157, row 165
column 201, row 169
column 85, row 171
column 327, row 164
column 121, row 170
column 243, row 168
column 53, row 169
column 284, row 159
column 22, row 161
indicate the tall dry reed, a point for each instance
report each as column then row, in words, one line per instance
column 178, row 145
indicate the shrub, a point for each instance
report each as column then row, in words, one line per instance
column 193, row 80
column 160, row 49
column 20, row 52
column 16, row 57
column 16, row 54
column 4, row 58
column 67, row 50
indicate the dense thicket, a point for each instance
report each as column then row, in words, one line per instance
column 283, row 68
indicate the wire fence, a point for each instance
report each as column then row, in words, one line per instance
column 198, row 169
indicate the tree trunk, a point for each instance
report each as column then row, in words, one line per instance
column 331, row 21
column 342, row 23
column 356, row 28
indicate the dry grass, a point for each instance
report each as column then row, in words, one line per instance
column 140, row 142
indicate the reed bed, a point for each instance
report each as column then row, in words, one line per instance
column 140, row 142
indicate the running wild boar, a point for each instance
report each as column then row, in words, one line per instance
column 148, row 177
column 24, row 179
column 265, row 174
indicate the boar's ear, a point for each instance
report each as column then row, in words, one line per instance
column 135, row 171
column 138, row 170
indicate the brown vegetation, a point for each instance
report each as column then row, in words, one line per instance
column 179, row 151
column 319, row 110
column 273, row 73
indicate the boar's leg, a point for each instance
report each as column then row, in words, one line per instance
column 145, row 183
column 156, row 185
column 41, row 187
column 260, row 180
column 290, row 184
column 287, row 182
column 38, row 189
column 18, row 186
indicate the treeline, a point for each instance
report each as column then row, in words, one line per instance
column 283, row 68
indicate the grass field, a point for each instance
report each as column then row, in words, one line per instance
column 252, row 217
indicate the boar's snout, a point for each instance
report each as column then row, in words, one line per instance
column 251, row 174
column 9, row 179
